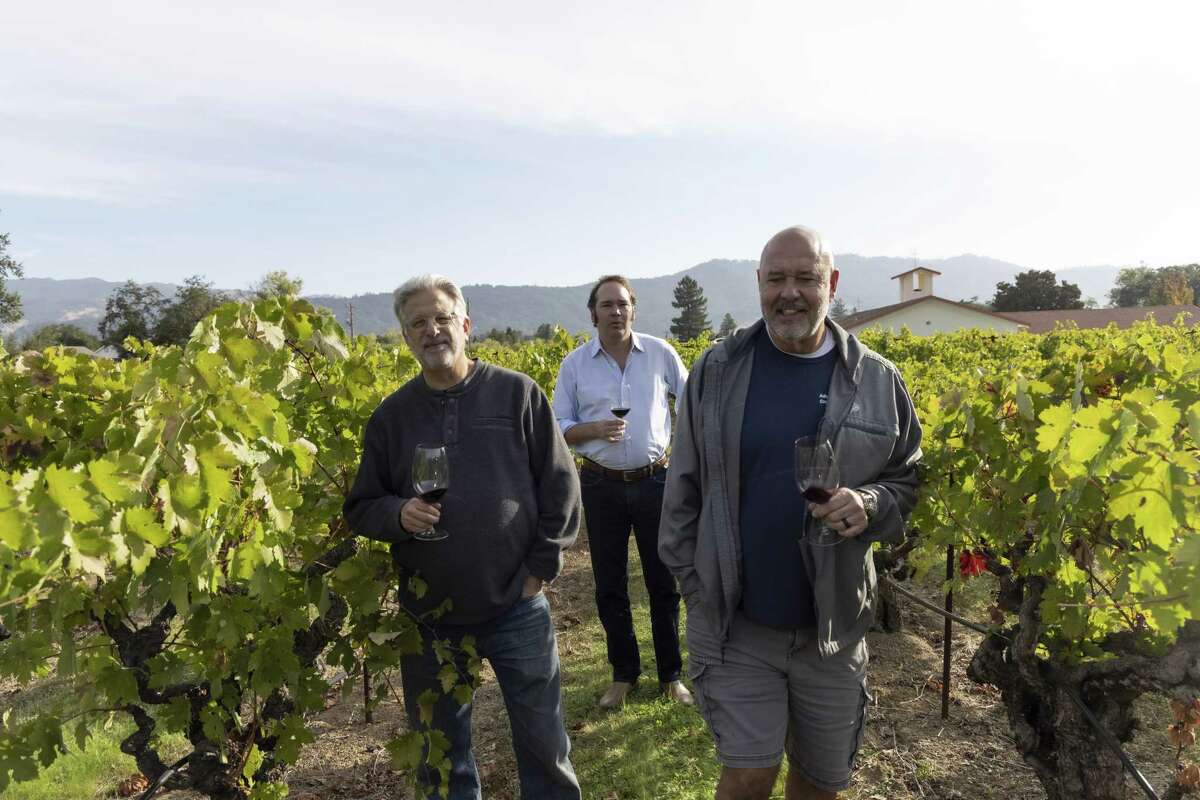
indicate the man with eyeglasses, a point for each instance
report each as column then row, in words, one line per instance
column 511, row 508
column 777, row 615
column 611, row 402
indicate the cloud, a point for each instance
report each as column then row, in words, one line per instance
column 949, row 69
column 995, row 128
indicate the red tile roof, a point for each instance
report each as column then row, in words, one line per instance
column 1044, row 321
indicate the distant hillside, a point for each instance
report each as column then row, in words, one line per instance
column 79, row 301
column 728, row 285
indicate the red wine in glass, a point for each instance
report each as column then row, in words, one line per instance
column 430, row 480
column 817, row 477
column 431, row 495
column 619, row 411
column 815, row 494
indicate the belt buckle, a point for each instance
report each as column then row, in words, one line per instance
column 630, row 475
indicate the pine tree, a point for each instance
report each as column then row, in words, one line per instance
column 10, row 302
column 693, row 310
column 728, row 325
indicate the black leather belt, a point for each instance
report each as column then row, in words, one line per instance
column 626, row 475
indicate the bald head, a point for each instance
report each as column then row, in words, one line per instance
column 796, row 281
column 798, row 235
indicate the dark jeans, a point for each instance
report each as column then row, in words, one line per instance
column 522, row 650
column 612, row 508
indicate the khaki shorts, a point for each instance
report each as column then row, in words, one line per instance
column 767, row 690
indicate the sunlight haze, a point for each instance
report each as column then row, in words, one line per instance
column 545, row 143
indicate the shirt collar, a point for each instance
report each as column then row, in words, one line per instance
column 595, row 347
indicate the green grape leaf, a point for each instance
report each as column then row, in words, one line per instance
column 254, row 760
column 1145, row 497
column 65, row 488
column 292, row 737
column 1056, row 421
column 107, row 477
column 140, row 521
column 1193, row 423
column 406, row 750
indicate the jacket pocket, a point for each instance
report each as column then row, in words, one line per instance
column 864, row 447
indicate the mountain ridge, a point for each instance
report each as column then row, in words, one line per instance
column 729, row 285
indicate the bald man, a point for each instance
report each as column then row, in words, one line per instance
column 780, row 591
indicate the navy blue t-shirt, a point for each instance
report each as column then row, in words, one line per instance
column 786, row 400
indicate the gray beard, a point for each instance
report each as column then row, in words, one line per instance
column 794, row 333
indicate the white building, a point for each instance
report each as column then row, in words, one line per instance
column 924, row 313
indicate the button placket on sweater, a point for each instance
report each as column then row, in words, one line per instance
column 450, row 420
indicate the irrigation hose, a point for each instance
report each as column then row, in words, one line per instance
column 161, row 779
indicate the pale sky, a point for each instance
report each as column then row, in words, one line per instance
column 356, row 144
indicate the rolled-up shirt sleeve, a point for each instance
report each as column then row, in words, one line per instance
column 676, row 374
column 566, row 403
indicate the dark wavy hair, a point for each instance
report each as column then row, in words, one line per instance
column 621, row 279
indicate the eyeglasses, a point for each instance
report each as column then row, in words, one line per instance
column 421, row 325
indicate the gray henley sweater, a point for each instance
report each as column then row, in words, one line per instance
column 513, row 502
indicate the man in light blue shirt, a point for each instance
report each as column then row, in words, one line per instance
column 611, row 404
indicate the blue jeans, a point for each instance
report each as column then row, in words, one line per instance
column 522, row 650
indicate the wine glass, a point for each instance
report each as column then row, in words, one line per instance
column 431, row 479
column 816, row 478
column 620, row 403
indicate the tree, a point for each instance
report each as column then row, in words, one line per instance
column 545, row 331
column 509, row 335
column 728, row 325
column 1171, row 288
column 10, row 302
column 1145, row 286
column 194, row 301
column 838, row 308
column 131, row 310
column 277, row 283
column 1036, row 290
column 389, row 338
column 64, row 334
column 693, row 310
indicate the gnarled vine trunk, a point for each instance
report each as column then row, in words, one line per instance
column 1073, row 760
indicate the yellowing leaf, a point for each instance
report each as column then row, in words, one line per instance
column 1086, row 443
column 1056, row 421
column 1146, row 498
column 13, row 530
column 1193, row 423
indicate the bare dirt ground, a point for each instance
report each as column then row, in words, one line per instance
column 908, row 751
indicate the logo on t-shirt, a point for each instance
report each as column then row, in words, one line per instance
column 823, row 398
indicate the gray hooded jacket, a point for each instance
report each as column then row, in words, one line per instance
column 870, row 420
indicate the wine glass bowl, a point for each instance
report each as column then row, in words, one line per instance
column 817, row 477
column 430, row 480
column 619, row 403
